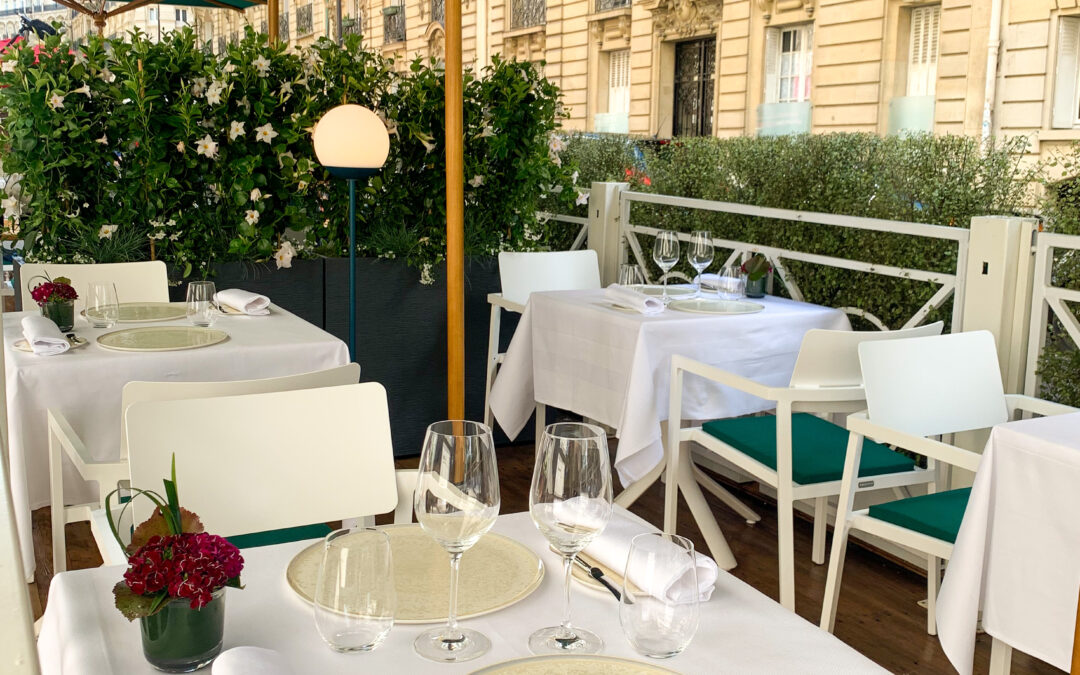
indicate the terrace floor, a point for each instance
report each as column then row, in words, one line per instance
column 878, row 615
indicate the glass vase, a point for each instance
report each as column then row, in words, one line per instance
column 755, row 288
column 61, row 312
column 179, row 639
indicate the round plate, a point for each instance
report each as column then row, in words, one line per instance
column 558, row 664
column 657, row 290
column 710, row 306
column 23, row 346
column 144, row 312
column 161, row 338
column 495, row 573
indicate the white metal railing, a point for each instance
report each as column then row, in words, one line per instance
column 1049, row 301
column 951, row 284
column 581, row 221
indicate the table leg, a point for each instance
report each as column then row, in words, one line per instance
column 1000, row 658
column 703, row 515
column 630, row 495
column 722, row 493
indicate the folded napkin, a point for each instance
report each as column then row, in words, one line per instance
column 250, row 661
column 710, row 281
column 612, row 548
column 247, row 302
column 631, row 299
column 44, row 336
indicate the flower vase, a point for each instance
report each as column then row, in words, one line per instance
column 61, row 312
column 179, row 639
column 755, row 288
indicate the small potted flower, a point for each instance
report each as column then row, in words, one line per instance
column 757, row 270
column 56, row 298
column 175, row 583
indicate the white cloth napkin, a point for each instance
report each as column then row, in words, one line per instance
column 631, row 299
column 247, row 302
column 612, row 548
column 44, row 336
column 250, row 661
column 710, row 281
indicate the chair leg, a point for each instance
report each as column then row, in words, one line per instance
column 1000, row 658
column 630, row 495
column 721, row 493
column 836, row 573
column 703, row 516
column 785, row 526
column 492, row 361
column 56, row 505
column 821, row 517
column 933, row 580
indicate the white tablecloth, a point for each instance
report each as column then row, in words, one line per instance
column 572, row 350
column 1018, row 548
column 741, row 630
column 85, row 385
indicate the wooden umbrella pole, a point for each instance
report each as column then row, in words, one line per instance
column 455, row 219
column 272, row 20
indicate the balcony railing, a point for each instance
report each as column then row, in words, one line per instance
column 526, row 13
column 352, row 26
column 394, row 24
column 438, row 11
column 605, row 5
column 283, row 26
column 303, row 20
column 221, row 44
column 48, row 7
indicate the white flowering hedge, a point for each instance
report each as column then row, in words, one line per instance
column 123, row 145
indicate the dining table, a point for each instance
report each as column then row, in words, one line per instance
column 85, row 385
column 740, row 630
column 576, row 351
column 1015, row 556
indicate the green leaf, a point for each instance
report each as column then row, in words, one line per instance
column 134, row 606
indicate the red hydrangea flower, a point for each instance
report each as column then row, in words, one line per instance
column 187, row 565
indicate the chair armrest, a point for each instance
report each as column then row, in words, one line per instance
column 498, row 299
column 1038, row 406
column 950, row 454
column 73, row 446
column 715, row 374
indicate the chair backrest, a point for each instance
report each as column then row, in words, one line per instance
column 934, row 385
column 135, row 281
column 140, row 392
column 268, row 461
column 830, row 358
column 523, row 273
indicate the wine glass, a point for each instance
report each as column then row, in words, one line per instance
column 102, row 309
column 659, row 609
column 457, row 501
column 354, row 594
column 201, row 310
column 700, row 255
column 570, row 503
column 665, row 253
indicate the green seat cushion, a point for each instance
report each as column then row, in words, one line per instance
column 818, row 447
column 937, row 515
column 271, row 537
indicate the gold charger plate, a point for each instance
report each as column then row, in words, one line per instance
column 145, row 312
column 161, row 338
column 495, row 573
column 559, row 664
column 23, row 346
column 710, row 306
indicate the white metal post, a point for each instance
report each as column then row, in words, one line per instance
column 604, row 233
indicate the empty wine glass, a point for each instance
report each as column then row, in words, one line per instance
column 570, row 503
column 630, row 275
column 102, row 309
column 201, row 310
column 354, row 594
column 700, row 255
column 457, row 501
column 665, row 253
column 659, row 609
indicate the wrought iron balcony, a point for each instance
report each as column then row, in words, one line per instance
column 283, row 26
column 605, row 5
column 303, row 20
column 527, row 13
column 352, row 26
column 393, row 24
column 438, row 11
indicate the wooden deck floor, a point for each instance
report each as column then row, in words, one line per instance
column 878, row 615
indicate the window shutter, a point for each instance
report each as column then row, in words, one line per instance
column 923, row 51
column 619, row 82
column 772, row 60
column 1068, row 50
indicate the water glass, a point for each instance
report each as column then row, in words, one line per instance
column 630, row 275
column 665, row 254
column 354, row 593
column 660, row 596
column 201, row 309
column 102, row 309
column 731, row 285
column 700, row 255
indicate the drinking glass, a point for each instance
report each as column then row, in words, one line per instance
column 201, row 310
column 659, row 606
column 570, row 503
column 630, row 275
column 665, row 253
column 731, row 285
column 700, row 255
column 457, row 501
column 354, row 593
column 102, row 309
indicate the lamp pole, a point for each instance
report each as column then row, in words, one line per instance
column 455, row 218
column 352, row 269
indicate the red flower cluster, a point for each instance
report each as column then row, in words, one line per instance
column 635, row 176
column 185, row 565
column 50, row 290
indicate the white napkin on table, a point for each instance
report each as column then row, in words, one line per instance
column 44, row 336
column 710, row 281
column 631, row 299
column 612, row 548
column 247, row 302
column 250, row 661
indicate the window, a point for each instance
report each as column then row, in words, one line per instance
column 923, row 51
column 788, row 62
column 526, row 13
column 303, row 20
column 151, row 14
column 1066, row 113
column 619, row 82
column 394, row 23
column 181, row 16
column 605, row 5
column 438, row 11
column 695, row 68
column 283, row 25
column 352, row 23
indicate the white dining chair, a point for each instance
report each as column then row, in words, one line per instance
column 917, row 389
column 520, row 275
column 65, row 442
column 146, row 281
column 796, row 451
